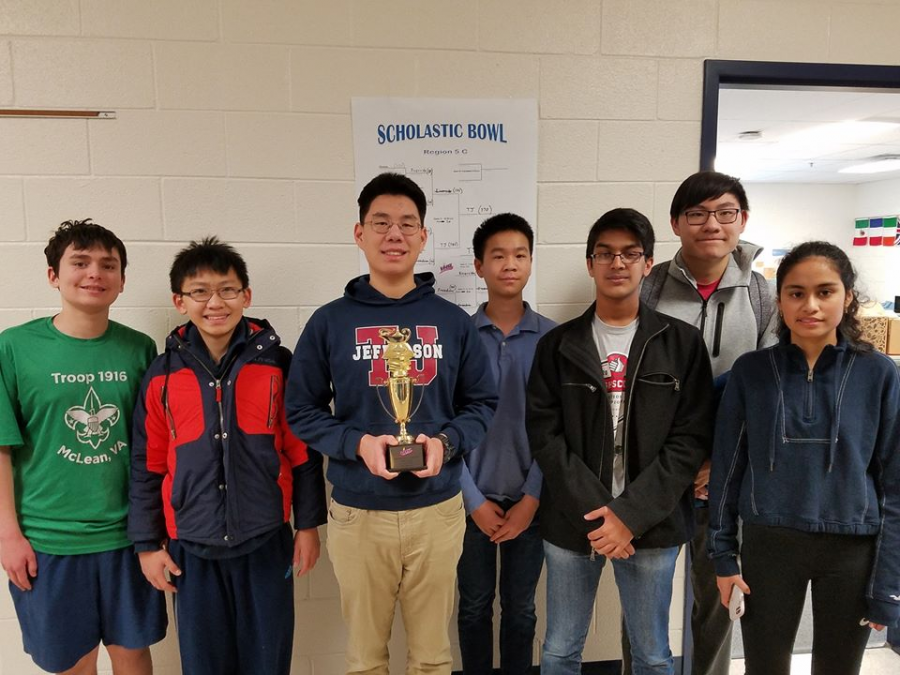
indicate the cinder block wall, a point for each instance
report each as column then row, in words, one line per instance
column 233, row 119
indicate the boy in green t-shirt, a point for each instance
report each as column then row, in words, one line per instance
column 67, row 389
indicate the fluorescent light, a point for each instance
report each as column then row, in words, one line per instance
column 880, row 164
column 748, row 159
column 834, row 135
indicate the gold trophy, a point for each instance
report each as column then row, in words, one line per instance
column 407, row 455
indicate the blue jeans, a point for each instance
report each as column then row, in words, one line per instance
column 645, row 589
column 520, row 567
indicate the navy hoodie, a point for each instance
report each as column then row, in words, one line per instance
column 339, row 360
column 814, row 450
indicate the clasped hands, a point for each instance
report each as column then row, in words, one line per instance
column 613, row 538
column 503, row 526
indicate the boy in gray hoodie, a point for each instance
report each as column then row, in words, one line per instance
column 710, row 284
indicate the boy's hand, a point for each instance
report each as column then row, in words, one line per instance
column 306, row 550
column 18, row 560
column 518, row 518
column 701, row 482
column 612, row 538
column 434, row 456
column 726, row 584
column 488, row 517
column 154, row 565
column 372, row 450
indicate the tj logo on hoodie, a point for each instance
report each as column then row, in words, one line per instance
column 426, row 352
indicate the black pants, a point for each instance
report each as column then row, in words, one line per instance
column 235, row 616
column 778, row 563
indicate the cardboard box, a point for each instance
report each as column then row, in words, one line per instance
column 875, row 330
column 893, row 341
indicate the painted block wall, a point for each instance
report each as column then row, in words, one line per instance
column 233, row 118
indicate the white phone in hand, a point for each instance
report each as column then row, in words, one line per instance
column 736, row 604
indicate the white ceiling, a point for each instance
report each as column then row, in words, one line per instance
column 779, row 113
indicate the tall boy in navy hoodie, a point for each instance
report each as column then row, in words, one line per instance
column 392, row 536
column 216, row 473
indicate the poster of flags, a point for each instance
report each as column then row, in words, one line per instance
column 880, row 231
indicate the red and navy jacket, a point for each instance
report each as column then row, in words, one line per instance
column 212, row 459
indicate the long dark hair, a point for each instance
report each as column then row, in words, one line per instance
column 849, row 327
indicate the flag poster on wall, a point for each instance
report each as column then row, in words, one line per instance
column 879, row 231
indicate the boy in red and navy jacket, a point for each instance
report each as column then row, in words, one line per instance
column 216, row 473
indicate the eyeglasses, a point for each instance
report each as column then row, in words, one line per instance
column 606, row 258
column 204, row 294
column 700, row 216
column 407, row 227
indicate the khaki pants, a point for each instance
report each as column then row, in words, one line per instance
column 380, row 557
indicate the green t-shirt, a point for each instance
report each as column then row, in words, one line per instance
column 65, row 409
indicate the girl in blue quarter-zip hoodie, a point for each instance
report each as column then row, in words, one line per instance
column 807, row 455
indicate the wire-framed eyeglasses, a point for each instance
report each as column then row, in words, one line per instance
column 406, row 227
column 204, row 294
column 607, row 257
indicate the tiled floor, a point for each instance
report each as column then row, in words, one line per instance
column 877, row 661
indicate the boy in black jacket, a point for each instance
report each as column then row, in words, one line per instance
column 620, row 409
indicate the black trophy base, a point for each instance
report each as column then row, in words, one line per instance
column 406, row 457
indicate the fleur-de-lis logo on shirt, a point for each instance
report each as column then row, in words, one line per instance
column 92, row 420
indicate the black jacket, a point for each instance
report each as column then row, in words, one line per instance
column 668, row 430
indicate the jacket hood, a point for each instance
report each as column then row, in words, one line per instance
column 745, row 253
column 739, row 267
column 360, row 290
column 187, row 332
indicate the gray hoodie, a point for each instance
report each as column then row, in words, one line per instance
column 739, row 316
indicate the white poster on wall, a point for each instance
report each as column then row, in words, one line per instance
column 472, row 158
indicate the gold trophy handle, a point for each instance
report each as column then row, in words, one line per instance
column 406, row 455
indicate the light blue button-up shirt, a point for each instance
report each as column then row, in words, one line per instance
column 501, row 468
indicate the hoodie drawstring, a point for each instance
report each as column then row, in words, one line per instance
column 776, row 434
column 839, row 380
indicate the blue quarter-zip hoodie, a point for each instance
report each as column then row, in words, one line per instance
column 339, row 359
column 816, row 450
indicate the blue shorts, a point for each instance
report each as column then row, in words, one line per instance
column 78, row 601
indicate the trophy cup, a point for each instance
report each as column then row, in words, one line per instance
column 407, row 455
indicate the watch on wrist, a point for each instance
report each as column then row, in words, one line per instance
column 449, row 448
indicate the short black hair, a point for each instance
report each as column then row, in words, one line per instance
column 705, row 185
column 391, row 184
column 629, row 220
column 209, row 254
column 83, row 235
column 502, row 222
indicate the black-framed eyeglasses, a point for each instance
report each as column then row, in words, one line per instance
column 407, row 227
column 204, row 294
column 607, row 257
column 700, row 216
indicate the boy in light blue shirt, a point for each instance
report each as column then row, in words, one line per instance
column 501, row 483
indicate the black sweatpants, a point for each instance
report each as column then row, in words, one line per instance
column 235, row 616
column 777, row 564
